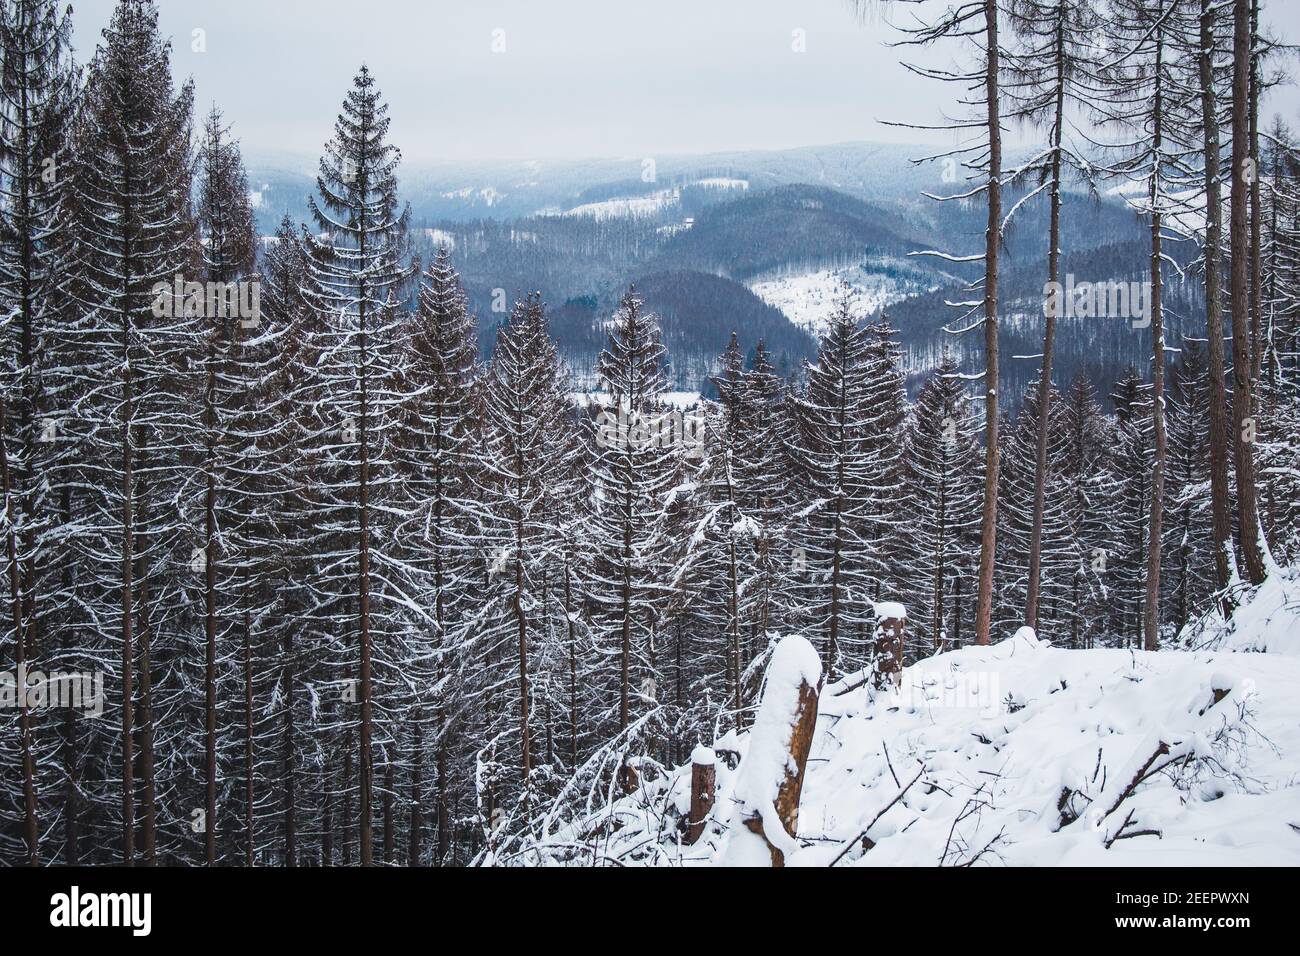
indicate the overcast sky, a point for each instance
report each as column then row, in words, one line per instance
column 575, row 78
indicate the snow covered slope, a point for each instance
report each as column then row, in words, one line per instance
column 1025, row 754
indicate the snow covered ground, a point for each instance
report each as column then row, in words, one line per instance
column 1026, row 754
column 808, row 298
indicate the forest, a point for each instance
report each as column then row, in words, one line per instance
column 363, row 584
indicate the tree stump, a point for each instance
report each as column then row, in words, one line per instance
column 703, row 783
column 888, row 649
column 771, row 775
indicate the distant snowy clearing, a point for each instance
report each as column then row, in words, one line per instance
column 808, row 298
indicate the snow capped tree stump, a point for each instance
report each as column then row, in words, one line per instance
column 703, row 781
column 888, row 651
column 770, row 778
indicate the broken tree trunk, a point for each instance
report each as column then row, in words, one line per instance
column 771, row 775
column 703, row 781
column 888, row 656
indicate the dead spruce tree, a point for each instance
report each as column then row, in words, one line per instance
column 976, row 24
column 38, row 86
column 360, row 267
column 632, row 468
column 131, row 401
column 1047, row 54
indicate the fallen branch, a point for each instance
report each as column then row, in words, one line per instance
column 899, row 796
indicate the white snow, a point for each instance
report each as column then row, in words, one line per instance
column 628, row 207
column 440, row 237
column 890, row 609
column 1269, row 622
column 1023, row 753
column 808, row 298
column 488, row 195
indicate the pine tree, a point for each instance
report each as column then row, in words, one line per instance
column 437, row 454
column 526, row 419
column 1089, row 496
column 130, row 235
column 633, row 469
column 1131, row 475
column 360, row 268
column 835, row 450
column 1189, row 561
column 942, row 502
column 1021, row 478
column 38, row 84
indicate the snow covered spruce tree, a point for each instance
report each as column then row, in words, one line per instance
column 527, row 418
column 633, row 468
column 1088, row 505
column 127, row 398
column 279, row 420
column 38, row 86
column 360, row 265
column 1019, row 514
column 723, row 522
column 438, row 461
column 1188, row 577
column 845, row 452
column 1279, row 385
column 942, row 507
column 230, row 506
column 1131, row 476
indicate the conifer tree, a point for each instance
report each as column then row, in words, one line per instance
column 38, row 86
column 942, row 502
column 360, row 269
column 633, row 469
column 131, row 234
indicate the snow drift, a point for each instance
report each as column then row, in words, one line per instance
column 1020, row 753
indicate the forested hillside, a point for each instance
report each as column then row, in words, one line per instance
column 387, row 538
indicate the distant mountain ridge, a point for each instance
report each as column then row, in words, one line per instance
column 756, row 241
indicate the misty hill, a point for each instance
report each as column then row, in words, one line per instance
column 755, row 241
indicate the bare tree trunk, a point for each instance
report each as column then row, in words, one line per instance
column 733, row 622
column 1049, row 335
column 363, row 603
column 145, row 720
column 30, row 831
column 525, row 740
column 388, row 811
column 210, row 616
column 1256, row 214
column 802, row 726
column 1242, row 397
column 417, row 817
column 1221, row 519
column 573, row 671
column 128, row 601
column 703, row 783
column 290, row 768
column 1151, row 626
column 248, row 740
column 992, row 240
